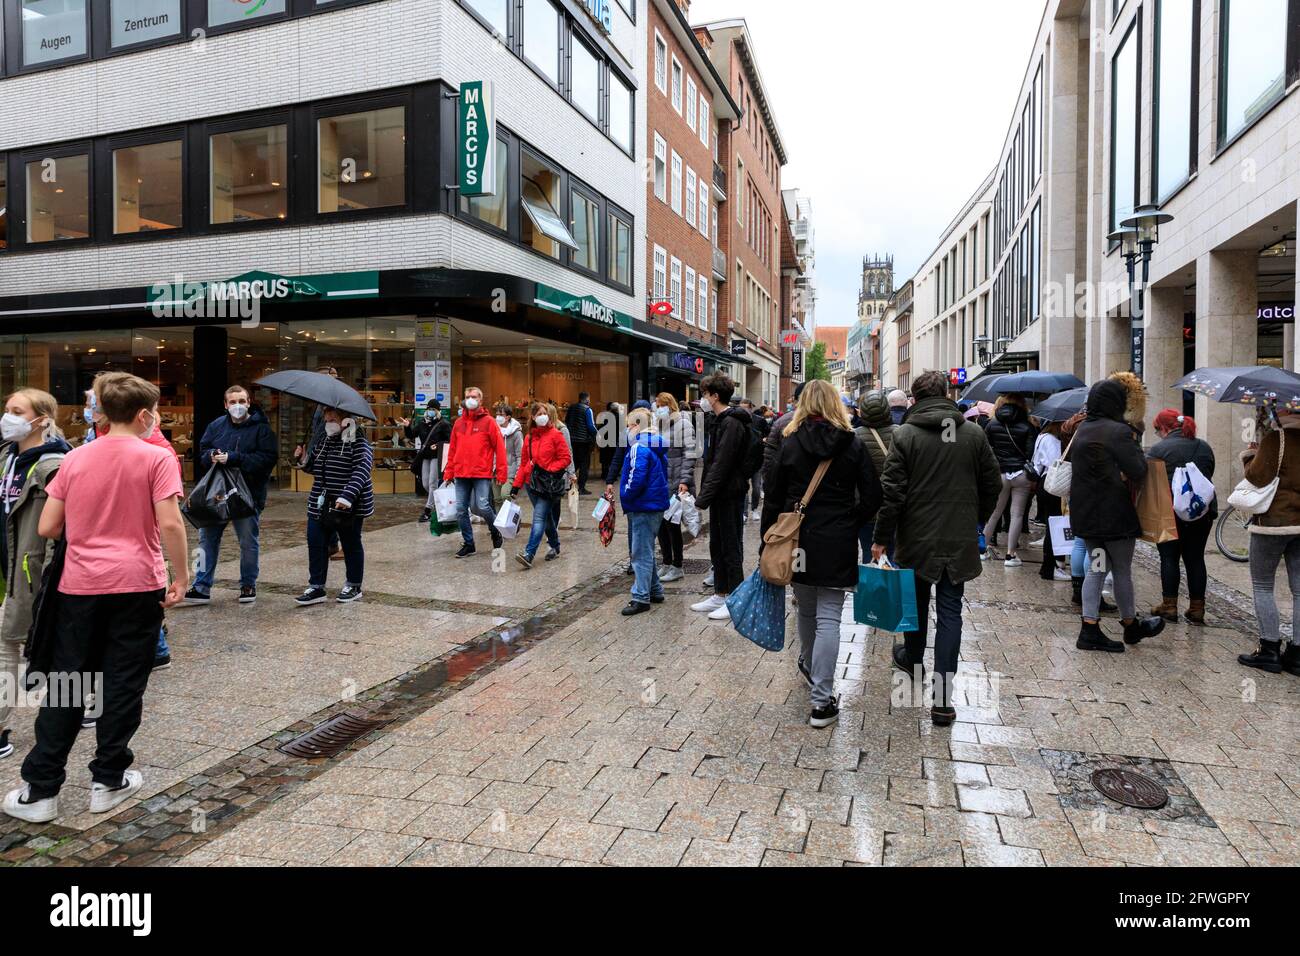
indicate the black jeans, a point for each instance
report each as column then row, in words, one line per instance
column 1049, row 506
column 1190, row 550
column 318, row 558
column 670, row 542
column 727, row 543
column 113, row 635
column 947, row 633
column 582, row 461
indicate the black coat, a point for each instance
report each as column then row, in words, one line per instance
column 251, row 446
column 1012, row 438
column 729, row 435
column 1177, row 452
column 847, row 498
column 1106, row 458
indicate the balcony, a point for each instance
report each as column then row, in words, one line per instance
column 719, row 264
column 719, row 183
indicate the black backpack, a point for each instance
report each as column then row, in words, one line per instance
column 752, row 463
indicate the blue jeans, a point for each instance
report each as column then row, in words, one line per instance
column 318, row 556
column 473, row 494
column 643, row 529
column 1079, row 559
column 546, row 521
column 246, row 530
column 947, row 633
column 162, row 650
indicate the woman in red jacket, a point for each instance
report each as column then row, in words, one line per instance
column 546, row 456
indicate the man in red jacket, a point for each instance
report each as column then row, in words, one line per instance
column 476, row 455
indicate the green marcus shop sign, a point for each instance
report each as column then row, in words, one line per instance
column 476, row 132
column 581, row 306
column 241, row 297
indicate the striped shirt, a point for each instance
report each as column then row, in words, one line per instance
column 343, row 470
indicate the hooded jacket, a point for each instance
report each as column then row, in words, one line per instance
column 478, row 449
column 1011, row 437
column 941, row 482
column 729, row 435
column 513, row 435
column 545, row 448
column 643, row 484
column 877, row 422
column 1106, row 458
column 432, row 432
column 679, row 437
column 1283, row 515
column 251, row 446
column 1135, row 400
column 25, row 551
column 847, row 498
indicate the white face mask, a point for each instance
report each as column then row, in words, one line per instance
column 237, row 411
column 333, row 429
column 542, row 420
column 501, row 420
column 471, row 404
column 14, row 427
column 663, row 411
column 153, row 423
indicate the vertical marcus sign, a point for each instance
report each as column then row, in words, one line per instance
column 476, row 139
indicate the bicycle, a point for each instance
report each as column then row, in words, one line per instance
column 1232, row 535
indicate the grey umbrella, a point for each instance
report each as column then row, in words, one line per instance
column 1248, row 385
column 321, row 389
column 1062, row 406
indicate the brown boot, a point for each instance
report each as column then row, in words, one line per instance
column 1167, row 609
column 1196, row 612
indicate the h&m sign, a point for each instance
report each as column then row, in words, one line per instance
column 476, row 131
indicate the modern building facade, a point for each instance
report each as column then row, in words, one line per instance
column 799, row 289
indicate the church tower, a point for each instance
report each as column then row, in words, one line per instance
column 877, row 287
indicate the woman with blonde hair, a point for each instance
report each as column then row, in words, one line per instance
column 847, row 497
column 1012, row 438
column 32, row 453
column 678, row 433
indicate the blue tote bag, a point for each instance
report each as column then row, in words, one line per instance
column 886, row 598
column 758, row 612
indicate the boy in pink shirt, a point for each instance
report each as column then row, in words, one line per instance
column 115, row 500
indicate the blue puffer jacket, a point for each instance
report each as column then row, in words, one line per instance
column 251, row 446
column 643, row 486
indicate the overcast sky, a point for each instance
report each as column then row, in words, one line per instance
column 891, row 113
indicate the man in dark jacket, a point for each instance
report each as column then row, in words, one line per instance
column 582, row 433
column 430, row 433
column 875, row 429
column 241, row 439
column 762, row 428
column 723, row 491
column 772, row 443
column 940, row 483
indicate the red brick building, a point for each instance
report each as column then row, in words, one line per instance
column 687, row 103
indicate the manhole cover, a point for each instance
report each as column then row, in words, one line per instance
column 1131, row 789
column 329, row 737
column 697, row 565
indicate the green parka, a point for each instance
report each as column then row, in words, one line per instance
column 876, row 423
column 26, row 550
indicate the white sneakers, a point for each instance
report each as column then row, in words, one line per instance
column 710, row 604
column 1037, row 544
column 104, row 798
column 1013, row 562
column 721, row 614
column 670, row 574
column 1061, row 575
column 39, row 811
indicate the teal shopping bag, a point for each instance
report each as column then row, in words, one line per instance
column 886, row 598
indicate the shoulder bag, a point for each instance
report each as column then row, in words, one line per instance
column 1253, row 500
column 543, row 483
column 781, row 543
column 1060, row 472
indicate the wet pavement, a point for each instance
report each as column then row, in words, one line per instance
column 556, row 732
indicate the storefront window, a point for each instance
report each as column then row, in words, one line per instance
column 586, row 232
column 620, row 112
column 542, row 228
column 492, row 209
column 542, row 37
column 585, row 80
column 249, row 172
column 222, row 12
column 58, row 199
column 53, row 30
column 141, row 21
column 620, row 251
column 362, row 160
column 1252, row 67
column 493, row 11
column 147, row 188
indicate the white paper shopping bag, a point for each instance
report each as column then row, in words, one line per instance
column 508, row 520
column 444, row 502
column 1062, row 536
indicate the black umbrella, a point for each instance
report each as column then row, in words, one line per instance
column 983, row 389
column 321, row 389
column 1037, row 383
column 1251, row 385
column 1062, row 406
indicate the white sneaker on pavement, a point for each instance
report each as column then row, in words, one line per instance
column 671, row 574
column 38, row 811
column 721, row 614
column 1037, row 544
column 104, row 798
column 1061, row 575
column 710, row 604
column 1013, row 562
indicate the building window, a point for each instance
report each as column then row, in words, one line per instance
column 620, row 112
column 542, row 37
column 361, row 160
column 1177, row 76
column 134, row 22
column 1038, row 123
column 715, row 224
column 705, row 121
column 53, row 30
column 58, row 198
column 496, row 13
column 661, row 63
column 249, row 175
column 661, row 274
column 691, row 186
column 4, row 202
column 620, row 251
column 661, row 169
column 692, row 102
column 677, row 85
column 677, row 183
column 689, row 307
column 493, row 209
column 675, row 290
column 703, row 282
column 147, row 188
column 1124, row 132
column 1252, row 61
column 703, row 216
column 539, row 192
column 584, row 80
column 584, row 224
column 714, row 295
column 222, row 12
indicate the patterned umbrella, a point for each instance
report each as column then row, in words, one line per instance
column 607, row 522
column 1251, row 385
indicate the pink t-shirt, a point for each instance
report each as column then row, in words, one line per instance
column 108, row 489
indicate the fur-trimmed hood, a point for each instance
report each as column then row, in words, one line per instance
column 1135, row 410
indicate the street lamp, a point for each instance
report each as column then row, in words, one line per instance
column 1137, row 235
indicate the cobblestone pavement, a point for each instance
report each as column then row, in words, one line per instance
column 565, row 734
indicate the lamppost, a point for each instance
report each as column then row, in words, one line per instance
column 1137, row 235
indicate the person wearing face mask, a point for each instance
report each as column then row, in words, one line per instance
column 476, row 458
column 678, row 432
column 546, row 459
column 114, row 502
column 513, row 433
column 92, row 417
column 342, row 496
column 430, row 435
column 33, row 451
column 242, row 439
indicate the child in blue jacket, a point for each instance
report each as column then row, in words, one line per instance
column 643, row 491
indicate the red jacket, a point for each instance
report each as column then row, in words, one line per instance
column 476, row 440
column 545, row 447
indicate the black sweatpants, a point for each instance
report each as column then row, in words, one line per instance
column 113, row 635
column 1049, row 506
column 727, row 543
column 582, row 462
column 670, row 542
column 1189, row 550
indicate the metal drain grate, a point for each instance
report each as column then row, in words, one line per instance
column 1130, row 788
column 697, row 565
column 330, row 737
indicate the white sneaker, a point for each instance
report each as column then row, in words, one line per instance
column 758, row 514
column 1060, row 575
column 39, row 811
column 671, row 574
column 721, row 614
column 708, row 580
column 1038, row 543
column 104, row 798
column 1013, row 562
column 710, row 604
column 984, row 555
